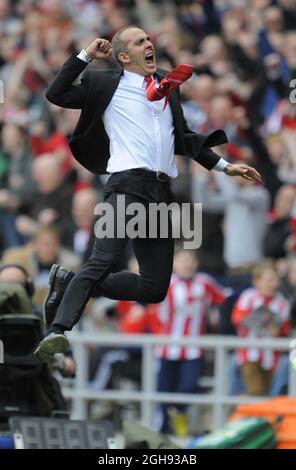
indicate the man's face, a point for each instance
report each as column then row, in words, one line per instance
column 185, row 264
column 14, row 275
column 141, row 53
column 267, row 284
column 46, row 247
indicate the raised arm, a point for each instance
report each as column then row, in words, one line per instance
column 62, row 91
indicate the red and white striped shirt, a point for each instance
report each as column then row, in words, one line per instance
column 183, row 313
column 249, row 301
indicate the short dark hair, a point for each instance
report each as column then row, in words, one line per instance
column 118, row 45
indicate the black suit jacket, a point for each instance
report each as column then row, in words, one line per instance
column 89, row 142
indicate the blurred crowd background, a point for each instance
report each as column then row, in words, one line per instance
column 244, row 56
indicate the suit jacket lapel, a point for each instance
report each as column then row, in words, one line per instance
column 109, row 87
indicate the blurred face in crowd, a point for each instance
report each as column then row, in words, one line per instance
column 46, row 246
column 287, row 3
column 275, row 147
column 47, row 173
column 140, row 56
column 14, row 275
column 250, row 45
column 12, row 138
column 274, row 20
column 267, row 282
column 204, row 88
column 84, row 203
column 213, row 49
column 260, row 4
column 292, row 272
column 32, row 20
column 185, row 264
column 284, row 201
column 56, row 58
column 54, row 8
column 8, row 46
column 220, row 110
column 4, row 9
column 290, row 49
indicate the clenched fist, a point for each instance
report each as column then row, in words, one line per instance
column 99, row 49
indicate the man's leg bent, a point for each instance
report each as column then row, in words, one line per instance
column 105, row 255
column 155, row 258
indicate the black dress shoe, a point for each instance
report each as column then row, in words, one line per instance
column 59, row 278
column 50, row 345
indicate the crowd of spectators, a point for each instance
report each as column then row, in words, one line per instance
column 244, row 58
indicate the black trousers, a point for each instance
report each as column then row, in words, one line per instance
column 154, row 255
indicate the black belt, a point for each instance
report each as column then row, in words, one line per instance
column 156, row 175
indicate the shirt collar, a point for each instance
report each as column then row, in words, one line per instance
column 134, row 78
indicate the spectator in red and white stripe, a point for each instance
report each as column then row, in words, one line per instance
column 183, row 313
column 261, row 311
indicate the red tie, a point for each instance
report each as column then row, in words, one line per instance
column 148, row 79
column 155, row 91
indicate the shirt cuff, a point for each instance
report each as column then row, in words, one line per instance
column 83, row 56
column 220, row 165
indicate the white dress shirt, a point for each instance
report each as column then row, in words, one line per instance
column 141, row 133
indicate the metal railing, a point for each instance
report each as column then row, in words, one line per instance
column 219, row 399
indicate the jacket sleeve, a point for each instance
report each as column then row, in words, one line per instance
column 62, row 91
column 198, row 146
